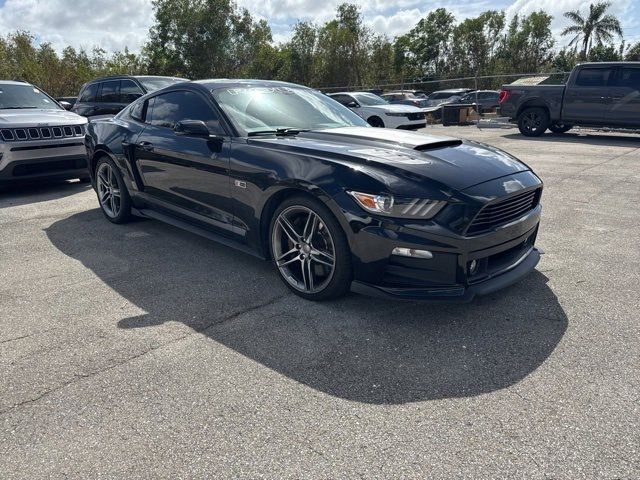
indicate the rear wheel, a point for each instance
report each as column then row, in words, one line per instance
column 376, row 122
column 113, row 196
column 533, row 121
column 560, row 127
column 310, row 250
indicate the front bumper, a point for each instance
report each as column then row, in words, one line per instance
column 502, row 257
column 30, row 161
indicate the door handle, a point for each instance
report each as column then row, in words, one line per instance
column 146, row 146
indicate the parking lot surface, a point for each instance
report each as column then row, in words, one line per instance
column 143, row 351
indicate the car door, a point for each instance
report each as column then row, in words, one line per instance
column 187, row 174
column 586, row 101
column 109, row 102
column 624, row 108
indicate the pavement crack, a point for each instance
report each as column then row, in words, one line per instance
column 7, row 340
column 80, row 376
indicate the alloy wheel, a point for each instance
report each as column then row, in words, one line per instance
column 532, row 122
column 303, row 249
column 109, row 194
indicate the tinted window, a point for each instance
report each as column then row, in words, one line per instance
column 167, row 109
column 110, row 92
column 129, row 91
column 343, row 99
column 629, row 78
column 593, row 77
column 90, row 93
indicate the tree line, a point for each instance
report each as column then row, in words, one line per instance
column 214, row 38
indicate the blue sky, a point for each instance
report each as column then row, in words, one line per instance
column 121, row 23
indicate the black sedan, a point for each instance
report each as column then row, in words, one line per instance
column 288, row 174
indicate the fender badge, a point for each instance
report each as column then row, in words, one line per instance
column 240, row 183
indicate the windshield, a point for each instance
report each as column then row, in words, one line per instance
column 368, row 99
column 25, row 96
column 259, row 109
column 152, row 84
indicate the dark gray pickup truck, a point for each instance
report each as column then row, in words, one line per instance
column 605, row 94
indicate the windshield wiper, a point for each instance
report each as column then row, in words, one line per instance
column 278, row 131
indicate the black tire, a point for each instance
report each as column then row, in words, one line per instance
column 533, row 121
column 376, row 122
column 560, row 127
column 123, row 213
column 340, row 280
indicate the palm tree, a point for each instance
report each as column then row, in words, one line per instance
column 597, row 25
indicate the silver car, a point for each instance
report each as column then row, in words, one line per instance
column 38, row 138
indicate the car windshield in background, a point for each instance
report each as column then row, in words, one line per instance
column 369, row 99
column 264, row 109
column 25, row 96
column 152, row 84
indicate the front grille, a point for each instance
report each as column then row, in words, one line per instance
column 504, row 211
column 41, row 133
column 416, row 116
column 49, row 167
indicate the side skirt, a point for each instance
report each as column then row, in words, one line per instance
column 176, row 222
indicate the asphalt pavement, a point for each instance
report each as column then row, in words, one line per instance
column 143, row 351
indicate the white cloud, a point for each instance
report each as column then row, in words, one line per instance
column 82, row 23
column 114, row 24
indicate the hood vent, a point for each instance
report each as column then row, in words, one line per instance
column 439, row 144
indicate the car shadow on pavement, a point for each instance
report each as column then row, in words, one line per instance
column 602, row 139
column 16, row 195
column 356, row 348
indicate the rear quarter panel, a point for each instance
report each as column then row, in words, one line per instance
column 523, row 96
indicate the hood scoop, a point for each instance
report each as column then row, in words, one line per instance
column 439, row 144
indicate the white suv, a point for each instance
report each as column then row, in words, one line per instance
column 38, row 138
column 380, row 113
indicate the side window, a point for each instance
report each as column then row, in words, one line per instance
column 89, row 94
column 343, row 99
column 629, row 78
column 593, row 77
column 129, row 91
column 167, row 109
column 110, row 92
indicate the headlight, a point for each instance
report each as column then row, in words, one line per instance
column 389, row 114
column 399, row 207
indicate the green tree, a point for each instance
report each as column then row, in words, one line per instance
column 632, row 55
column 598, row 25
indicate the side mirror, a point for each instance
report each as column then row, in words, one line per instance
column 65, row 105
column 353, row 105
column 192, row 128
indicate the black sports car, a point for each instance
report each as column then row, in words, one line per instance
column 288, row 174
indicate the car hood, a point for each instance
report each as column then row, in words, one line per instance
column 394, row 108
column 38, row 117
column 449, row 161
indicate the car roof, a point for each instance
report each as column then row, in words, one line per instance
column 13, row 82
column 119, row 77
column 216, row 83
column 353, row 93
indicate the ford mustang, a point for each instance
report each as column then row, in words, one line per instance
column 290, row 175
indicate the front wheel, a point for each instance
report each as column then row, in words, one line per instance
column 310, row 250
column 533, row 121
column 560, row 127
